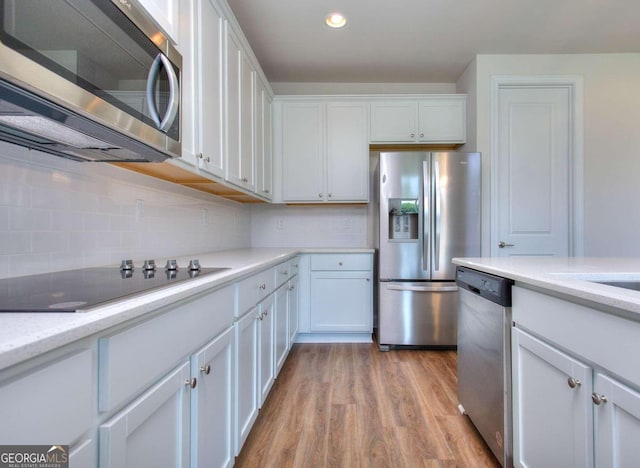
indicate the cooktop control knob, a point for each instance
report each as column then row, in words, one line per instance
column 194, row 265
column 149, row 265
column 126, row 265
column 172, row 265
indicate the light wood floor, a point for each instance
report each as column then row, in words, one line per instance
column 350, row 405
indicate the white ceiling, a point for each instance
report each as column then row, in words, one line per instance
column 425, row 41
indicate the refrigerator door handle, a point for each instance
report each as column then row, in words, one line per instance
column 438, row 218
column 426, row 218
column 417, row 288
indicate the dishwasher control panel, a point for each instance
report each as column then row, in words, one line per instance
column 491, row 287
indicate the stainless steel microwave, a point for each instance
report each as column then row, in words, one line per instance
column 89, row 80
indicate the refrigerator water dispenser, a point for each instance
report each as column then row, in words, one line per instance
column 403, row 219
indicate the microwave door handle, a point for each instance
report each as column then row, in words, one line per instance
column 154, row 71
column 174, row 95
column 174, row 92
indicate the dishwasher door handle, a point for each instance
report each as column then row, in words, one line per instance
column 416, row 288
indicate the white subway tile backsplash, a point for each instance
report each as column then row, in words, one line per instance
column 29, row 264
column 29, row 219
column 95, row 222
column 57, row 214
column 49, row 242
column 4, row 218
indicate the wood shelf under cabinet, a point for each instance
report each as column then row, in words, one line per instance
column 176, row 175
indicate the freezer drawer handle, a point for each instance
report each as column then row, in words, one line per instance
column 423, row 288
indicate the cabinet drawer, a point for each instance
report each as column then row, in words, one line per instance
column 133, row 359
column 341, row 262
column 253, row 289
column 594, row 335
column 51, row 405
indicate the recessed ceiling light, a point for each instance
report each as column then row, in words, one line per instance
column 336, row 20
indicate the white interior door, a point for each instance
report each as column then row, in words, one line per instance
column 533, row 168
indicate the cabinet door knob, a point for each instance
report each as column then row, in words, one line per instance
column 291, row 288
column 206, row 369
column 421, row 135
column 340, row 263
column 598, row 399
column 262, row 286
column 573, row 383
column 191, row 382
column 260, row 316
column 330, row 195
column 244, row 179
column 412, row 135
column 320, row 195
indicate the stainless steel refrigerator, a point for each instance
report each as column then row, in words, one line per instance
column 429, row 212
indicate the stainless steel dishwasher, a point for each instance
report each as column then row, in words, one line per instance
column 484, row 358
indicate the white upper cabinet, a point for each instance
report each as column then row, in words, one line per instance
column 263, row 142
column 302, row 151
column 209, row 54
column 240, row 115
column 347, row 152
column 166, row 14
column 325, row 154
column 432, row 119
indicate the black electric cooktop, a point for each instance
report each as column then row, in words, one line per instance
column 74, row 290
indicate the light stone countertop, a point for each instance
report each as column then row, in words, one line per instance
column 570, row 276
column 26, row 335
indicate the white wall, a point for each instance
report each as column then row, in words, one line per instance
column 57, row 214
column 611, row 139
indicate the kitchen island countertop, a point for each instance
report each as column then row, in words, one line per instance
column 26, row 335
column 575, row 277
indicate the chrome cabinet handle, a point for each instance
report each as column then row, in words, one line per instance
column 503, row 244
column 206, row 369
column 573, row 383
column 598, row 399
column 191, row 382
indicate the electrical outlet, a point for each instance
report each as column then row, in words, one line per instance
column 280, row 224
column 204, row 216
column 139, row 210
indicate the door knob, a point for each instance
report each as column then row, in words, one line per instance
column 503, row 244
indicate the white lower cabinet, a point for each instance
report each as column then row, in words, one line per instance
column 552, row 406
column 153, row 430
column 341, row 293
column 52, row 403
column 212, row 404
column 617, row 436
column 246, row 377
column 576, row 398
column 293, row 301
column 266, row 361
column 281, row 335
